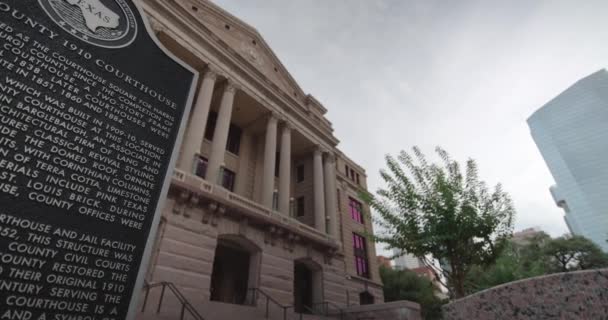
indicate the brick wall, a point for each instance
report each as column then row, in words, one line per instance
column 574, row 295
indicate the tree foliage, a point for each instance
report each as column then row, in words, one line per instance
column 436, row 209
column 514, row 263
column 574, row 253
column 541, row 255
column 407, row 285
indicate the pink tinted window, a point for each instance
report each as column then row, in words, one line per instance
column 356, row 211
column 360, row 250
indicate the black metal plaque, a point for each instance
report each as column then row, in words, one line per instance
column 91, row 109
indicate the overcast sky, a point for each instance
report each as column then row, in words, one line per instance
column 464, row 75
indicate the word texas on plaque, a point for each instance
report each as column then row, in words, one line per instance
column 91, row 112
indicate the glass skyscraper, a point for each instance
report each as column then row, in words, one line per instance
column 571, row 132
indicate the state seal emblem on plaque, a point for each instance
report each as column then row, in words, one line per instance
column 103, row 23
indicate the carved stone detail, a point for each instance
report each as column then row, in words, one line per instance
column 207, row 214
column 221, row 210
column 181, row 203
column 329, row 256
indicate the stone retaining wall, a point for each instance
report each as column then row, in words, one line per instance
column 572, row 295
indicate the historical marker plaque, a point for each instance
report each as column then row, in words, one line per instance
column 90, row 112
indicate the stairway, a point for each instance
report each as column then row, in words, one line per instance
column 163, row 301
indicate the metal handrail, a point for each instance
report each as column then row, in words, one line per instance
column 325, row 311
column 326, row 305
column 186, row 306
column 269, row 299
column 309, row 309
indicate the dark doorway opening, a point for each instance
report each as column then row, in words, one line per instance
column 303, row 288
column 230, row 275
column 366, row 298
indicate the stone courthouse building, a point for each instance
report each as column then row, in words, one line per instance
column 262, row 202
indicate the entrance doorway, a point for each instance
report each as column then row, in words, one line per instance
column 234, row 270
column 307, row 286
column 366, row 298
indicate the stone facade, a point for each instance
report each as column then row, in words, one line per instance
column 402, row 310
column 574, row 295
column 255, row 144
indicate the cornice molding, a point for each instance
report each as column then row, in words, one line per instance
column 194, row 30
column 252, row 32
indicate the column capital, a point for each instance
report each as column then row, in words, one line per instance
column 211, row 72
column 287, row 125
column 273, row 116
column 231, row 86
column 330, row 157
column 318, row 151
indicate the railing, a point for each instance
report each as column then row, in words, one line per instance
column 255, row 292
column 251, row 206
column 185, row 304
column 310, row 311
column 249, row 203
column 325, row 309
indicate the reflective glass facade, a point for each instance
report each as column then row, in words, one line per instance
column 571, row 132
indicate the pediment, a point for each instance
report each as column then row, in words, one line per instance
column 246, row 41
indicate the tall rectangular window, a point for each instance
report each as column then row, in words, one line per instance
column 300, row 207
column 234, row 139
column 234, row 133
column 277, row 164
column 228, row 178
column 360, row 250
column 300, row 173
column 356, row 210
column 210, row 128
column 201, row 166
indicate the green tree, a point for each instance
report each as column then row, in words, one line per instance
column 514, row 263
column 438, row 210
column 407, row 285
column 538, row 256
column 532, row 258
column 574, row 253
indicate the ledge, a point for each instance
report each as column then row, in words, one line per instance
column 364, row 280
column 250, row 209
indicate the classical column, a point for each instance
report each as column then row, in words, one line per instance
column 196, row 127
column 245, row 154
column 270, row 153
column 220, row 135
column 319, row 191
column 330, row 194
column 285, row 169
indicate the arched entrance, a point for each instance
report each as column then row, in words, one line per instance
column 366, row 298
column 307, row 285
column 236, row 268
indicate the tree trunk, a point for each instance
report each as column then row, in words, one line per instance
column 458, row 279
column 459, row 291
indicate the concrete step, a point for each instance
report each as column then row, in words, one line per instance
column 223, row 311
column 171, row 307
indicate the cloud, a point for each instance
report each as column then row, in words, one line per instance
column 461, row 74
